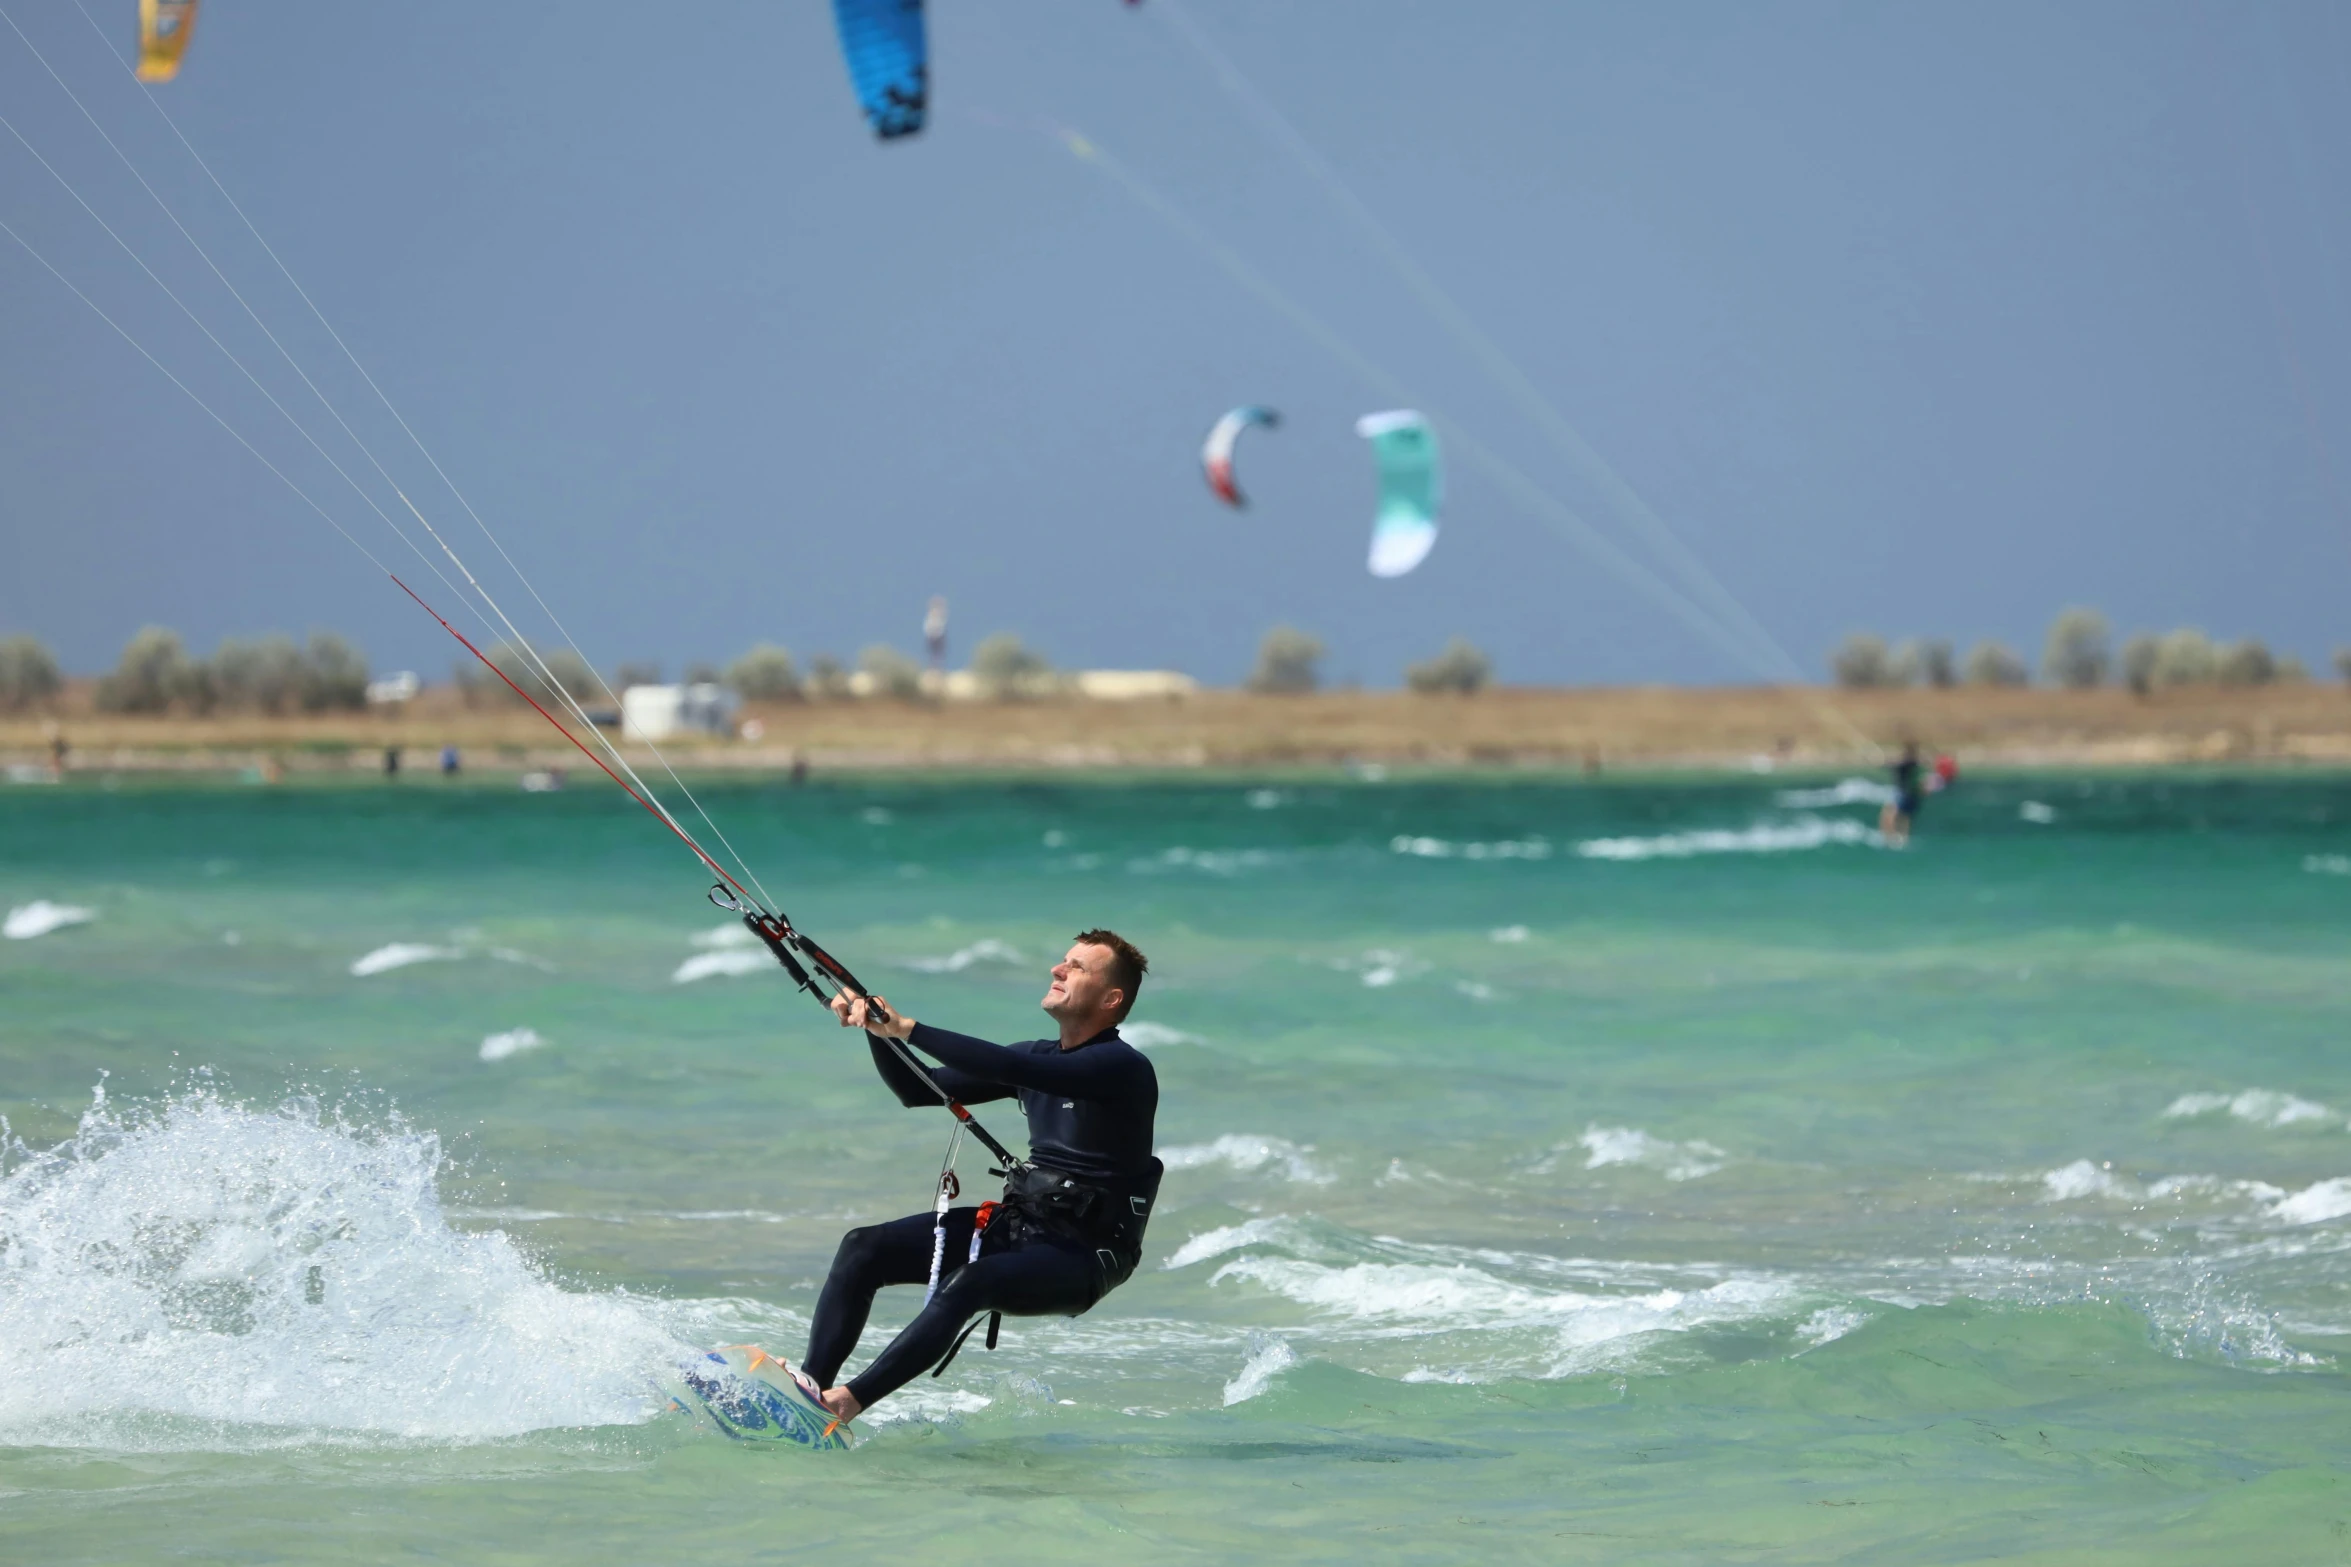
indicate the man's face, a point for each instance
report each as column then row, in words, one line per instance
column 1081, row 982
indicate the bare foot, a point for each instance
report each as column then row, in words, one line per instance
column 842, row 1403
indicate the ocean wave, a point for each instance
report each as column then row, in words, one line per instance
column 1248, row 1154
column 40, row 917
column 514, row 1041
column 1214, row 862
column 2260, row 1106
column 2037, row 813
column 1607, row 1145
column 734, row 933
column 1508, row 935
column 1380, row 967
column 731, row 962
column 2315, row 1204
column 2085, row 1178
column 1447, row 849
column 986, row 950
column 1146, row 1035
column 205, row 1274
column 401, row 954
column 2327, row 864
column 1811, row 832
column 1279, row 1230
column 1560, row 1332
column 1845, row 791
column 1269, row 1357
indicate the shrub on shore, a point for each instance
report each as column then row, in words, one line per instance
column 1992, row 663
column 516, row 662
column 2075, row 655
column 28, row 673
column 1861, row 662
column 1008, row 668
column 1459, row 668
column 154, row 675
column 893, row 674
column 1287, row 662
column 765, row 674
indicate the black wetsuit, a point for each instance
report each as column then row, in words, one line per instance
column 1089, row 1112
column 1906, row 793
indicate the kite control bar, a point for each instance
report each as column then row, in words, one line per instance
column 789, row 947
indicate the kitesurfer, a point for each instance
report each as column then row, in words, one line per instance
column 1070, row 1227
column 1895, row 819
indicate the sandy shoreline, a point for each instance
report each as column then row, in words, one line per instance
column 1647, row 728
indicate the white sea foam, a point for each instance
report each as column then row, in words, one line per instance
column 1248, row 1154
column 1380, row 967
column 1279, row 1230
column 1829, row 1324
column 1809, row 832
column 2261, row 1106
column 1508, row 935
column 1269, row 1357
column 2327, row 864
column 986, row 950
column 2038, row 814
column 1845, row 791
column 1267, row 800
column 497, row 1047
column 1446, row 849
column 1607, row 1145
column 40, row 917
column 2315, row 1204
column 400, row 954
column 2085, row 1178
column 1559, row 1332
column 206, row 1274
column 734, row 933
column 731, row 962
column 1146, row 1035
column 1214, row 862
column 31, row 773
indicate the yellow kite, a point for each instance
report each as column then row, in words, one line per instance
column 164, row 26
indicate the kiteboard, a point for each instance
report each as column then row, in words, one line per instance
column 752, row 1396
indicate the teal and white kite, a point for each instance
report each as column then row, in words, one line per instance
column 1412, row 487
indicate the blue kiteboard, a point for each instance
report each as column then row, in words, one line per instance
column 752, row 1396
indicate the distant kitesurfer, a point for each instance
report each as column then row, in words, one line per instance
column 1895, row 819
column 1070, row 1227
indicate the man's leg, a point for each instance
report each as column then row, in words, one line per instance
column 898, row 1252
column 1036, row 1281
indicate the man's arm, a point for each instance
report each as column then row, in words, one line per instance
column 971, row 1088
column 1081, row 1074
column 914, row 1093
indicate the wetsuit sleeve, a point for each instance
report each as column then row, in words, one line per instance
column 915, row 1094
column 1081, row 1074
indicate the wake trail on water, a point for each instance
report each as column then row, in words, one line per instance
column 201, row 1273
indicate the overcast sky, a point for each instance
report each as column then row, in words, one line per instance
column 1921, row 318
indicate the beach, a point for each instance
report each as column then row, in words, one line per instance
column 1650, row 727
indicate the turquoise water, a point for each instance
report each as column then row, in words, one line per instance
column 1621, row 1171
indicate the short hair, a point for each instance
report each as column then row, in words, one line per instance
column 1127, row 965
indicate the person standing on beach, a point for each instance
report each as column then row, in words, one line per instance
column 1895, row 819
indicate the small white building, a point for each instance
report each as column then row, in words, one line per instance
column 1135, row 685
column 661, row 712
column 392, row 689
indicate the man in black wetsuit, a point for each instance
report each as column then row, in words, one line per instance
column 1070, row 1229
column 1898, row 813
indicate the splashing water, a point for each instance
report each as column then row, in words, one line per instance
column 202, row 1261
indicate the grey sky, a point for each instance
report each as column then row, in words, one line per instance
column 1921, row 318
